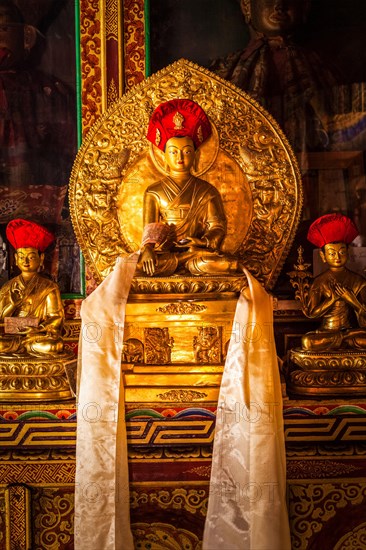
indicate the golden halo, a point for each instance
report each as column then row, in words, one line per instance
column 115, row 160
column 206, row 155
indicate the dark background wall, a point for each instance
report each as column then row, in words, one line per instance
column 202, row 30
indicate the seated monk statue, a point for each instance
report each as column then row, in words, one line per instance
column 31, row 296
column 184, row 218
column 337, row 295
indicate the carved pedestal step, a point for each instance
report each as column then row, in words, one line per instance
column 340, row 372
column 28, row 378
column 190, row 329
column 175, row 344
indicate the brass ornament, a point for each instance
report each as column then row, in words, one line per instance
column 315, row 383
column 255, row 172
column 207, row 345
column 339, row 372
column 199, row 134
column 34, row 378
column 187, row 285
column 158, row 346
column 182, row 396
column 181, row 308
column 157, row 137
column 178, row 120
column 336, row 359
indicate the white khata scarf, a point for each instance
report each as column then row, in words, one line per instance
column 247, row 507
column 102, row 510
column 247, row 502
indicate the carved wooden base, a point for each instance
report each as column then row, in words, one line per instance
column 29, row 378
column 340, row 372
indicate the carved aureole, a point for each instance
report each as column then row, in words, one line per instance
column 247, row 159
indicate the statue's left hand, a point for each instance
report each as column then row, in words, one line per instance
column 30, row 333
column 191, row 241
column 344, row 292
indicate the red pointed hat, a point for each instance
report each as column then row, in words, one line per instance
column 332, row 228
column 178, row 118
column 26, row 234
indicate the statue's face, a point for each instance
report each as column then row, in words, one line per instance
column 179, row 154
column 28, row 259
column 277, row 17
column 335, row 254
column 11, row 39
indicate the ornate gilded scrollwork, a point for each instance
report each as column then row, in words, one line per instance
column 33, row 378
column 355, row 538
column 133, row 351
column 164, row 537
column 314, row 507
column 247, row 159
column 158, row 346
column 301, row 278
column 207, row 345
column 53, row 517
column 183, row 396
column 193, row 501
column 182, row 308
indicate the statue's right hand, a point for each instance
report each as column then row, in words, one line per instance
column 148, row 261
column 15, row 296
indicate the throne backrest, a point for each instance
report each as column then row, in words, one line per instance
column 247, row 159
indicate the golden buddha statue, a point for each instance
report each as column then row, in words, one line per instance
column 338, row 294
column 332, row 359
column 31, row 301
column 184, row 218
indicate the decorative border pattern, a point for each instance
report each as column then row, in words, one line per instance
column 171, row 427
column 321, row 514
column 39, row 472
column 326, row 429
column 91, row 62
column 322, row 469
column 134, row 42
column 191, row 500
column 35, row 434
column 17, row 498
column 170, row 432
column 113, row 50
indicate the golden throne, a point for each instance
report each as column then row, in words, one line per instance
column 178, row 327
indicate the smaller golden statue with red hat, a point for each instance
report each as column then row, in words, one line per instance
column 333, row 357
column 184, row 218
column 337, row 292
column 30, row 304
